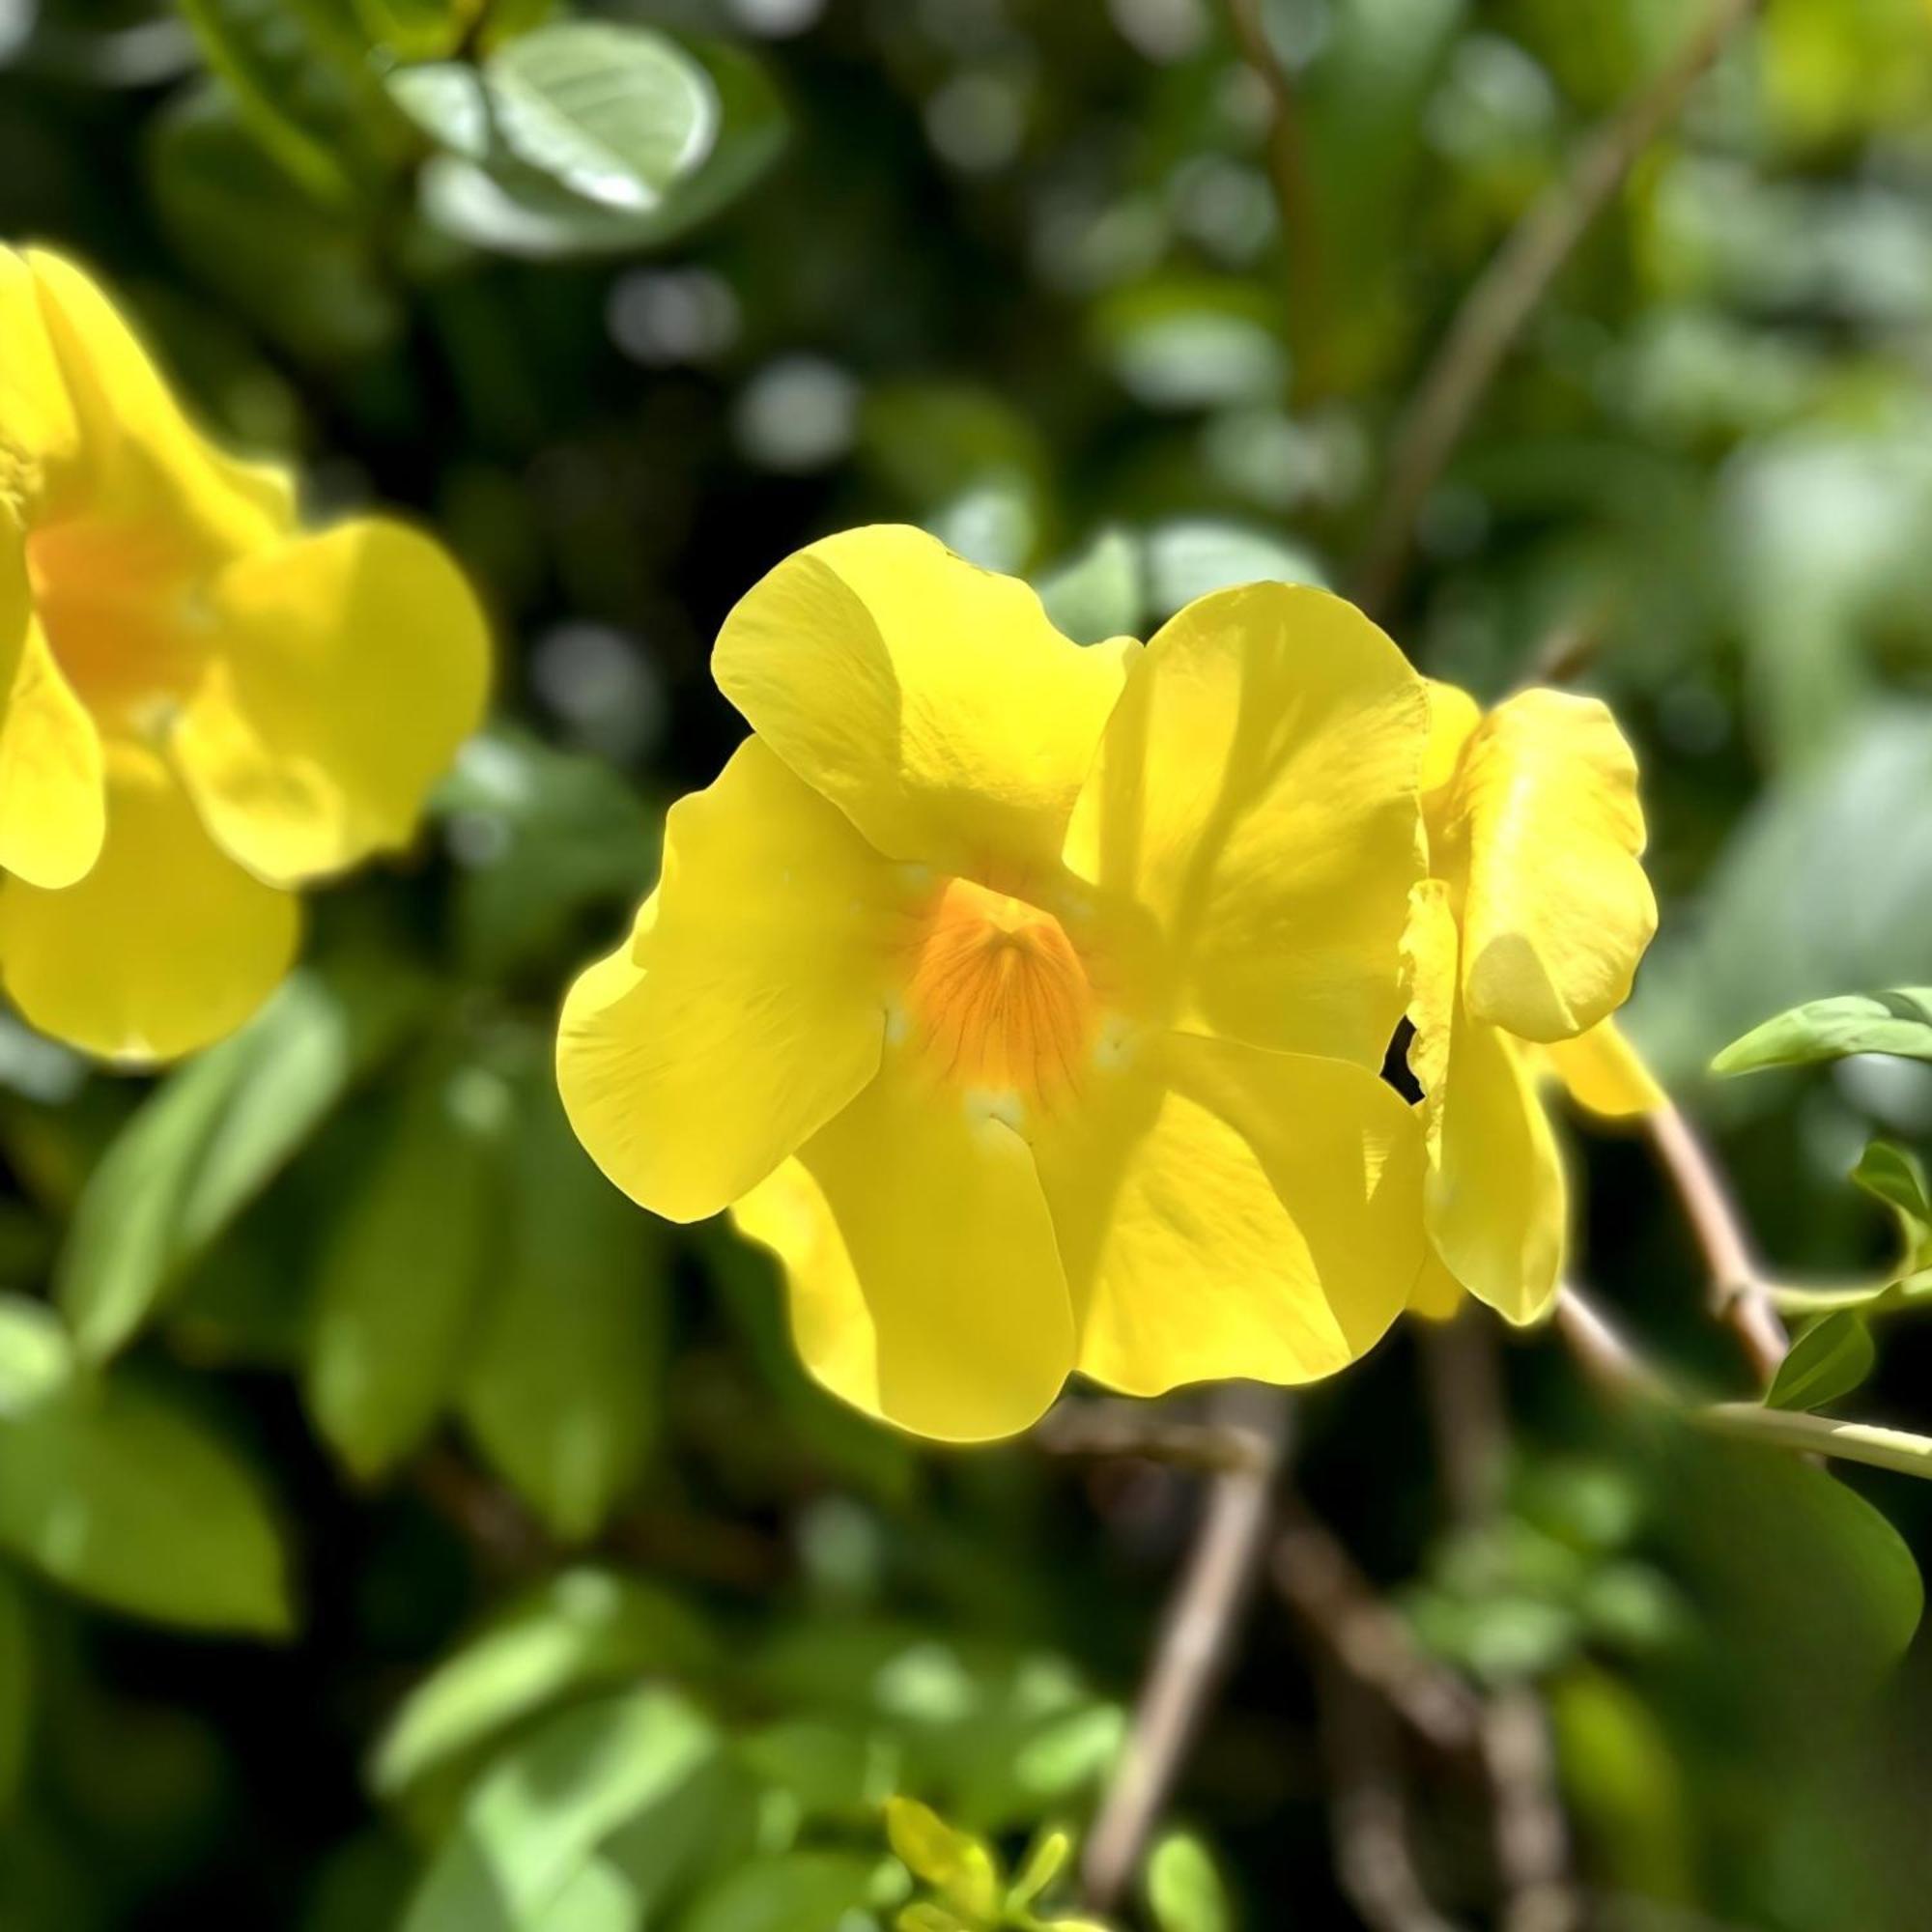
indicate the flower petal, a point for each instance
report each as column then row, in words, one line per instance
column 1453, row 717
column 1256, row 790
column 1228, row 1211
column 925, row 1286
column 38, row 438
column 1558, row 911
column 748, row 1007
column 1605, row 1074
column 1496, row 1201
column 138, row 456
column 930, row 700
column 1437, row 1295
column 165, row 945
column 347, row 669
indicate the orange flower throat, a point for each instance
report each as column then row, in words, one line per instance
column 998, row 997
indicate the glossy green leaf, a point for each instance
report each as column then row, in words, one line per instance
column 582, row 1629
column 212, row 1136
column 124, row 1497
column 563, row 1384
column 1898, row 1022
column 403, row 1266
column 1894, row 1175
column 1830, row 1358
column 537, row 1818
column 1184, row 1890
column 481, row 192
column 17, row 1689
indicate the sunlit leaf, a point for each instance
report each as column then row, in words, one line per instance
column 582, row 1629
column 1184, row 1890
column 1897, row 1022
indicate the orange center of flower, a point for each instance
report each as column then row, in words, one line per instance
column 998, row 997
column 116, row 616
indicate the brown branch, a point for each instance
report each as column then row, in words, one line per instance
column 1532, row 1837
column 1506, row 293
column 1288, row 175
column 1201, row 1618
column 1107, row 1429
column 1317, row 1577
column 1739, row 1296
column 1601, row 1352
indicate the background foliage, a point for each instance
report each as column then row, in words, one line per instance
column 398, row 1528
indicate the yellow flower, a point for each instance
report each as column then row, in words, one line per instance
column 1008, row 990
column 1520, row 946
column 203, row 706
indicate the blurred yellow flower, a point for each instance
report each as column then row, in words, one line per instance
column 203, row 706
column 1520, row 945
column 1009, row 991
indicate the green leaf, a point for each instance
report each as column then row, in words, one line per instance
column 1189, row 556
column 828, row 1770
column 1830, row 1358
column 255, row 233
column 582, row 1629
column 599, row 1897
column 36, row 1356
column 561, row 1390
column 1098, row 592
column 1893, row 1175
column 124, row 1497
column 539, row 1815
column 419, row 29
column 1184, row 1890
column 1188, row 344
column 955, row 1862
column 796, row 1892
column 501, row 202
column 1897, row 1022
column 402, row 1266
column 210, row 1138
column 299, row 74
column 17, row 1690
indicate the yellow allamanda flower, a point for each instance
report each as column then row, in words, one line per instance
column 1027, row 999
column 1520, row 945
column 202, row 705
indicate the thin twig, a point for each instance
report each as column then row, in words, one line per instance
column 1193, row 1644
column 1602, row 1352
column 1369, row 1806
column 1319, row 1580
column 1503, row 297
column 1739, row 1296
column 1108, row 1429
column 1288, row 175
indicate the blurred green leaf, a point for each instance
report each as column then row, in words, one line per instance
column 1189, row 556
column 1098, row 592
column 420, row 29
column 211, row 1137
column 561, row 1390
column 829, row 1770
column 545, row 839
column 796, row 1892
column 17, row 1690
column 403, row 1267
column 1045, row 1859
column 1193, row 345
column 301, row 75
column 36, row 1356
column 537, row 1818
column 1184, row 1890
column 598, row 1897
column 121, row 1495
column 250, row 229
column 581, row 1629
column 1830, row 1358
column 1897, row 1022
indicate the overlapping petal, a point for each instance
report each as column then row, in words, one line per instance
column 1605, row 1074
column 1495, row 1201
column 138, row 459
column 932, row 700
column 345, row 669
column 1256, row 792
column 925, row 1283
column 1224, row 1210
column 38, row 437
column 749, row 1006
column 1557, row 911
column 164, row 946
